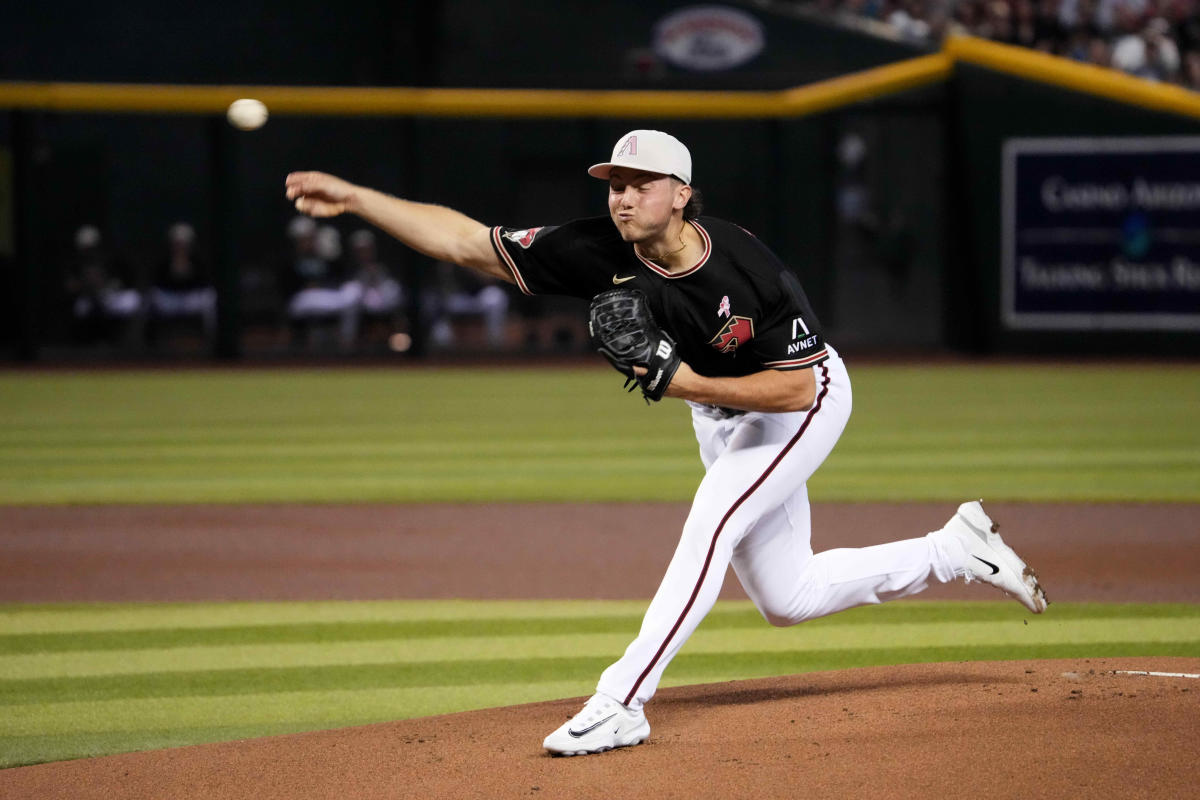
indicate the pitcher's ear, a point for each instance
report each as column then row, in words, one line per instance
column 682, row 196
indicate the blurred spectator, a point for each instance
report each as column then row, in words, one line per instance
column 456, row 293
column 102, row 307
column 1078, row 15
column 317, row 297
column 855, row 206
column 1025, row 30
column 909, row 18
column 1097, row 52
column 1191, row 68
column 1149, row 53
column 1119, row 17
column 1184, row 16
column 1152, row 39
column 877, row 237
column 328, row 245
column 1049, row 32
column 182, row 287
column 380, row 296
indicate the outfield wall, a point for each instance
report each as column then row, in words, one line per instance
column 1119, row 134
column 883, row 189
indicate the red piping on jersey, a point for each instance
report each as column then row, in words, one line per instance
column 712, row 546
column 498, row 246
column 703, row 258
column 807, row 361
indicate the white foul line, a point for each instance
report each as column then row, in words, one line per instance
column 1155, row 674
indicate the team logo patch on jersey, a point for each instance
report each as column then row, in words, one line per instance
column 737, row 331
column 523, row 238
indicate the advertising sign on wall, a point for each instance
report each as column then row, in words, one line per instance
column 1101, row 234
column 708, row 38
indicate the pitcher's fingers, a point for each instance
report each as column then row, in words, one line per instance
column 299, row 182
column 293, row 187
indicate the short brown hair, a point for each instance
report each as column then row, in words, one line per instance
column 695, row 205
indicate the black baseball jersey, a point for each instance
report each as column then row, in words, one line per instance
column 738, row 310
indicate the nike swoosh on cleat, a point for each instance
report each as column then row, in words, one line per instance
column 618, row 280
column 590, row 728
column 995, row 568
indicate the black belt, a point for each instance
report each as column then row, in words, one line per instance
column 726, row 413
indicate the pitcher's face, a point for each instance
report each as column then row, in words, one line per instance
column 641, row 203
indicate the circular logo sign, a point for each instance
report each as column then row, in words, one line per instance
column 708, row 38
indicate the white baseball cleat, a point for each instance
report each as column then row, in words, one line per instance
column 602, row 724
column 991, row 561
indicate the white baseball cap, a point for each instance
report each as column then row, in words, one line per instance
column 649, row 151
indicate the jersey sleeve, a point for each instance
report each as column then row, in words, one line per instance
column 791, row 337
column 540, row 259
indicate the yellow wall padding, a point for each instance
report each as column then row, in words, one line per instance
column 546, row 103
column 161, row 98
column 1086, row 78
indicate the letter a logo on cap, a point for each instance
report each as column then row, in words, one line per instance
column 648, row 151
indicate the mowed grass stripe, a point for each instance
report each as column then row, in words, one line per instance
column 368, row 450
column 325, row 633
column 181, row 660
column 303, row 710
column 19, row 751
column 65, row 627
column 422, row 469
column 130, row 457
column 1159, row 485
column 363, row 695
column 79, row 618
column 725, row 616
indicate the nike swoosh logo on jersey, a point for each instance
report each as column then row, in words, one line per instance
column 590, row 728
column 618, row 280
column 995, row 568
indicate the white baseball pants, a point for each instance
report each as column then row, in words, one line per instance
column 752, row 510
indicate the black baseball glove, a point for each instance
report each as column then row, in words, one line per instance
column 624, row 331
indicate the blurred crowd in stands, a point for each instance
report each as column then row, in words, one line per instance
column 315, row 296
column 107, row 304
column 362, row 298
column 1154, row 39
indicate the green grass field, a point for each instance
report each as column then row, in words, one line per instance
column 943, row 433
column 87, row 680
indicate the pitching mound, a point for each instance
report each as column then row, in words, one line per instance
column 1049, row 729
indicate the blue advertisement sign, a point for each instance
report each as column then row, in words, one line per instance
column 1101, row 234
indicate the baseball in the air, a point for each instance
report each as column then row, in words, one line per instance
column 247, row 114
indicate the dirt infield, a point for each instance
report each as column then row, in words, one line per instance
column 1102, row 552
column 1060, row 729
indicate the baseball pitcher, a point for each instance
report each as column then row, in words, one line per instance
column 697, row 308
